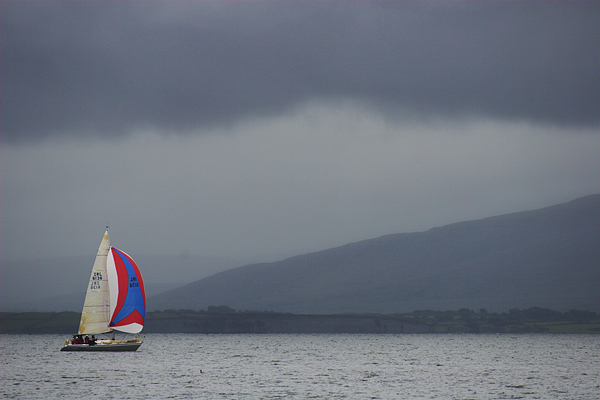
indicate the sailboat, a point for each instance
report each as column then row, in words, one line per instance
column 115, row 301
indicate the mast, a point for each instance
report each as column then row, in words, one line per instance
column 95, row 313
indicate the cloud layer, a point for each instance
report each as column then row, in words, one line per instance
column 111, row 68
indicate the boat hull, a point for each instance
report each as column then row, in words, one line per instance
column 127, row 346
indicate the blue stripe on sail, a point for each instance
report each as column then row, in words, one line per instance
column 134, row 299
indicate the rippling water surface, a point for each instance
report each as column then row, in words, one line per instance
column 440, row 366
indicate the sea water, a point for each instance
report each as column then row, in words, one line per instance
column 321, row 366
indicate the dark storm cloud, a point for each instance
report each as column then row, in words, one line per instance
column 110, row 67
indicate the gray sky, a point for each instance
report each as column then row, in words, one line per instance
column 260, row 130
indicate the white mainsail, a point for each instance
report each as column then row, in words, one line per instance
column 95, row 314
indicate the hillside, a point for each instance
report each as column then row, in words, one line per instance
column 546, row 258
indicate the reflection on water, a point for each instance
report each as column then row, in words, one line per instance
column 308, row 366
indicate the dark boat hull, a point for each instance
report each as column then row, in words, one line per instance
column 126, row 346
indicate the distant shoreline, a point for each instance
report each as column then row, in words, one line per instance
column 223, row 319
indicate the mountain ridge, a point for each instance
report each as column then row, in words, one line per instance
column 549, row 257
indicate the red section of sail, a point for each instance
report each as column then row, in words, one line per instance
column 123, row 282
column 134, row 317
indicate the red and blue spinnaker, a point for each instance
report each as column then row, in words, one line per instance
column 127, row 295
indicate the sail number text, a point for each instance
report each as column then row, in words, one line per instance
column 133, row 282
column 95, row 282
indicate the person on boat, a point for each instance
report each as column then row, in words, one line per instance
column 87, row 339
column 74, row 340
column 93, row 340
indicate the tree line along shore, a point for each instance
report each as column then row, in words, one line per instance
column 223, row 319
